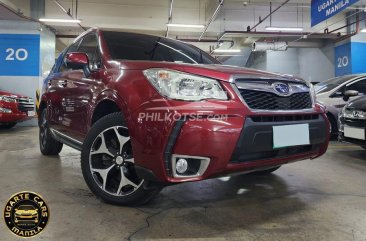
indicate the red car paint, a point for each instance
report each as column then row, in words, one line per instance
column 16, row 115
column 71, row 100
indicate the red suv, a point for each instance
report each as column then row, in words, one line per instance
column 146, row 111
column 14, row 108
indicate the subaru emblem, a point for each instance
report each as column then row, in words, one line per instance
column 281, row 88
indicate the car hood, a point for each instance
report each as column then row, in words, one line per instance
column 216, row 71
column 357, row 104
column 324, row 97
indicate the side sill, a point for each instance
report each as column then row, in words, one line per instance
column 67, row 140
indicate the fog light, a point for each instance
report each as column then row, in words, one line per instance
column 5, row 110
column 181, row 166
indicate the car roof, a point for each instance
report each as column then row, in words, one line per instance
column 96, row 30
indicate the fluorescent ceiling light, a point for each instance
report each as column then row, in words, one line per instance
column 286, row 29
column 363, row 30
column 185, row 25
column 56, row 20
column 227, row 50
column 227, row 55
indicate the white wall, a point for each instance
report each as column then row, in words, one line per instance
column 283, row 61
column 317, row 64
column 312, row 64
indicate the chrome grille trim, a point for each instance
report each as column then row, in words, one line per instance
column 264, row 84
column 25, row 104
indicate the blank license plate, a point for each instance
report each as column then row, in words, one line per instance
column 291, row 135
column 357, row 133
column 31, row 113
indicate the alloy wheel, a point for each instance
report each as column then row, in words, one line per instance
column 112, row 164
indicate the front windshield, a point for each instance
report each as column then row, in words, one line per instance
column 132, row 46
column 330, row 84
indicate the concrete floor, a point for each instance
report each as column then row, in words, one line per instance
column 322, row 199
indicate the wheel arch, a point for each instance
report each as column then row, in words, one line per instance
column 42, row 106
column 103, row 108
column 333, row 122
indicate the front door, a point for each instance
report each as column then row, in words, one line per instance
column 80, row 90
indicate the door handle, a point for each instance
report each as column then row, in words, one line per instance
column 63, row 83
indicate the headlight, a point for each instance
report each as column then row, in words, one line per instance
column 7, row 98
column 341, row 113
column 182, row 86
column 5, row 110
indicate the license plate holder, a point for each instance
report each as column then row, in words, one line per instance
column 353, row 132
column 291, row 135
column 31, row 113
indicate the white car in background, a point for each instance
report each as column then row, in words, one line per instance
column 335, row 93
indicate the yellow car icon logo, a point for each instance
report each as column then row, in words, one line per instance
column 26, row 213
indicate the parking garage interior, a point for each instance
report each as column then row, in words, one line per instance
column 315, row 47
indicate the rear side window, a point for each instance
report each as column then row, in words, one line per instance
column 132, row 46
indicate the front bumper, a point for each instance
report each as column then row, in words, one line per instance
column 242, row 142
column 360, row 124
column 19, row 112
column 13, row 117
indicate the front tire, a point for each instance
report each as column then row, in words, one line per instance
column 333, row 126
column 107, row 164
column 47, row 144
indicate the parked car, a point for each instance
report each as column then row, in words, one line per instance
column 26, row 213
column 331, row 93
column 352, row 122
column 146, row 111
column 14, row 108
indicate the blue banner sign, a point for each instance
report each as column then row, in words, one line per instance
column 321, row 10
column 19, row 54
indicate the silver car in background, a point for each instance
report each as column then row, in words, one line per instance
column 335, row 93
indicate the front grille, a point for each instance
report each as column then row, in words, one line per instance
column 259, row 100
column 284, row 118
column 256, row 139
column 25, row 104
column 355, row 122
column 278, row 153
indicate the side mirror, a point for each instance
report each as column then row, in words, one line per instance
column 349, row 93
column 77, row 60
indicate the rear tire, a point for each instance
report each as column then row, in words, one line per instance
column 47, row 144
column 107, row 164
column 266, row 172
